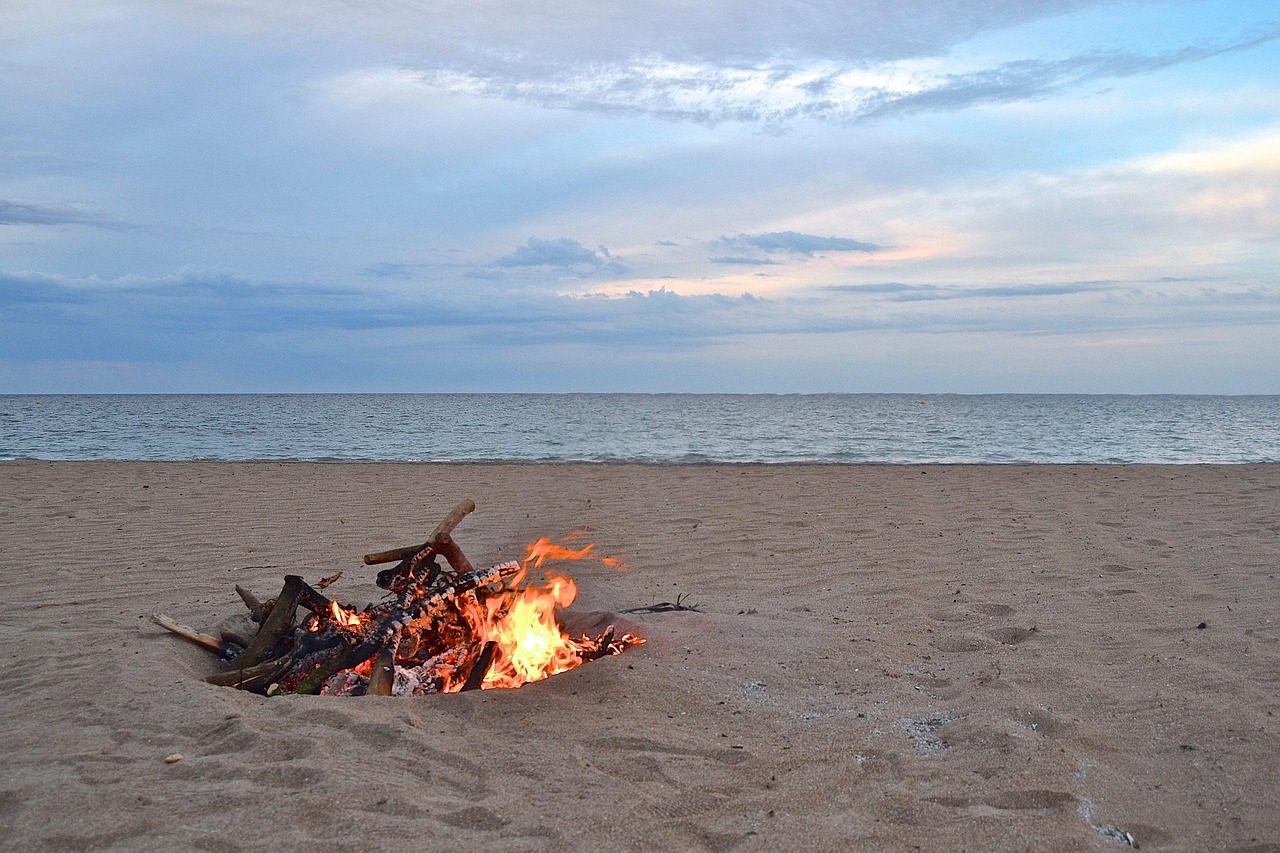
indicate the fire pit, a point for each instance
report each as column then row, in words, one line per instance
column 440, row 629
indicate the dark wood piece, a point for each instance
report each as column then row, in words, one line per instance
column 257, row 609
column 480, row 668
column 443, row 529
column 278, row 622
column 256, row 678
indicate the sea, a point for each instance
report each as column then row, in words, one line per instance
column 670, row 428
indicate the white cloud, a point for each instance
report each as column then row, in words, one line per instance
column 781, row 90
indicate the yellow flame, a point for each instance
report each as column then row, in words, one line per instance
column 345, row 618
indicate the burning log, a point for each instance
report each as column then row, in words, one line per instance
column 440, row 630
column 416, row 558
column 480, row 668
column 383, row 675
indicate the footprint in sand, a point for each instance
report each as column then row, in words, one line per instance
column 959, row 643
column 1011, row 636
column 1007, row 803
column 474, row 817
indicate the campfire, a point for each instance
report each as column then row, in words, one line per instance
column 440, row 628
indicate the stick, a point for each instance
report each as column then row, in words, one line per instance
column 278, row 621
column 383, row 675
column 442, row 531
column 257, row 609
column 315, row 601
column 399, row 576
column 213, row 644
column 449, row 549
column 480, row 668
column 254, row 677
column 602, row 651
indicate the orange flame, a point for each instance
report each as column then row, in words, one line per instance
column 345, row 618
column 531, row 644
column 544, row 549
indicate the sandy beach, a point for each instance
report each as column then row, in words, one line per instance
column 1039, row 658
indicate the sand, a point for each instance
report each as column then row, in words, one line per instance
column 886, row 658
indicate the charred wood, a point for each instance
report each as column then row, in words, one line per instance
column 257, row 610
column 480, row 668
column 256, row 678
column 278, row 622
column 383, row 675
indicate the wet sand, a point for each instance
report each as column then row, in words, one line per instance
column 945, row 657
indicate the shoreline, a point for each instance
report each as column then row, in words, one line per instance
column 999, row 656
column 642, row 463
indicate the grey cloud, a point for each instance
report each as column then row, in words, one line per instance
column 24, row 213
column 219, row 300
column 797, row 243
column 17, row 291
column 1063, row 289
column 1028, row 79
column 388, row 269
column 932, row 292
column 889, row 287
column 563, row 252
column 178, row 315
column 758, row 262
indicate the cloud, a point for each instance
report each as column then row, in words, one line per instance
column 1026, row 79
column 758, row 262
column 25, row 213
column 18, row 291
column 562, row 253
column 934, row 292
column 388, row 269
column 798, row 244
column 782, row 88
column 180, row 315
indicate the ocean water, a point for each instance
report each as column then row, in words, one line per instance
column 897, row 428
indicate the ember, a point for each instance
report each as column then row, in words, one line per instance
column 441, row 629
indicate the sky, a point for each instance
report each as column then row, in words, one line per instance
column 924, row 196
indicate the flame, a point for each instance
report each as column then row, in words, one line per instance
column 345, row 618
column 544, row 549
column 521, row 619
column 531, row 644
